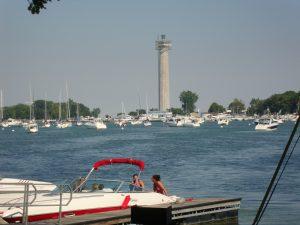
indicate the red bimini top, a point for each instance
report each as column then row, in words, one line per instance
column 131, row 161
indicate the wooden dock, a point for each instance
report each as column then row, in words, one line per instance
column 195, row 211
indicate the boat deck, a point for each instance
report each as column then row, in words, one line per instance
column 195, row 211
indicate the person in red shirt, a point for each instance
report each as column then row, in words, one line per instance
column 158, row 186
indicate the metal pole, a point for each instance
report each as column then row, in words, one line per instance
column 60, row 206
column 25, row 205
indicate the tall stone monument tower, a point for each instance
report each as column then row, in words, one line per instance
column 163, row 45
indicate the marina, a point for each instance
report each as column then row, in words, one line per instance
column 153, row 113
column 80, row 146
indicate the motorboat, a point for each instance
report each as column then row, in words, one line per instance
column 256, row 121
column 63, row 124
column 87, row 195
column 278, row 120
column 136, row 122
column 189, row 122
column 100, row 125
column 4, row 124
column 120, row 123
column 96, row 123
column 79, row 123
column 47, row 124
column 174, row 122
column 32, row 127
column 266, row 125
column 12, row 188
column 12, row 122
column 223, row 121
column 147, row 123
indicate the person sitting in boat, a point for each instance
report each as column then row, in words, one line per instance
column 158, row 186
column 79, row 184
column 136, row 183
column 97, row 187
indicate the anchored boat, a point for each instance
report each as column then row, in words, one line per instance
column 85, row 195
column 266, row 125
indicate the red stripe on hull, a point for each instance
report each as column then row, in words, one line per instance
column 49, row 216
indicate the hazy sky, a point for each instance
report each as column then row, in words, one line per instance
column 105, row 50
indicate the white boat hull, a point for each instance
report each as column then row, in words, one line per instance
column 84, row 203
column 266, row 127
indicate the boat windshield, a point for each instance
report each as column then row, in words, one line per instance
column 80, row 185
column 264, row 121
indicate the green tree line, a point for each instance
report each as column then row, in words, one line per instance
column 22, row 111
column 287, row 102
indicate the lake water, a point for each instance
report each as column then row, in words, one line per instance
column 209, row 161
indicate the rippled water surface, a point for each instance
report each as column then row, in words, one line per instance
column 209, row 161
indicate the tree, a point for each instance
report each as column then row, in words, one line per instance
column 286, row 102
column 141, row 111
column 256, row 107
column 236, row 106
column 21, row 111
column 216, row 108
column 177, row 111
column 35, row 6
column 95, row 112
column 133, row 113
column 188, row 100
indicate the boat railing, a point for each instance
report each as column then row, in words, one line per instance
column 27, row 192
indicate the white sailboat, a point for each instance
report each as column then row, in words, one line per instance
column 78, row 122
column 32, row 126
column 47, row 123
column 147, row 122
column 64, row 124
column 1, row 108
column 59, row 123
column 122, row 122
column 68, row 121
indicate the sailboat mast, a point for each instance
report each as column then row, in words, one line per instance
column 68, row 102
column 77, row 111
column 1, row 105
column 123, row 110
column 59, row 107
column 139, row 104
column 45, row 111
column 33, row 117
column 147, row 107
column 30, row 103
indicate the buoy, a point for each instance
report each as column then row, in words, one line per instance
column 13, row 130
column 221, row 126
